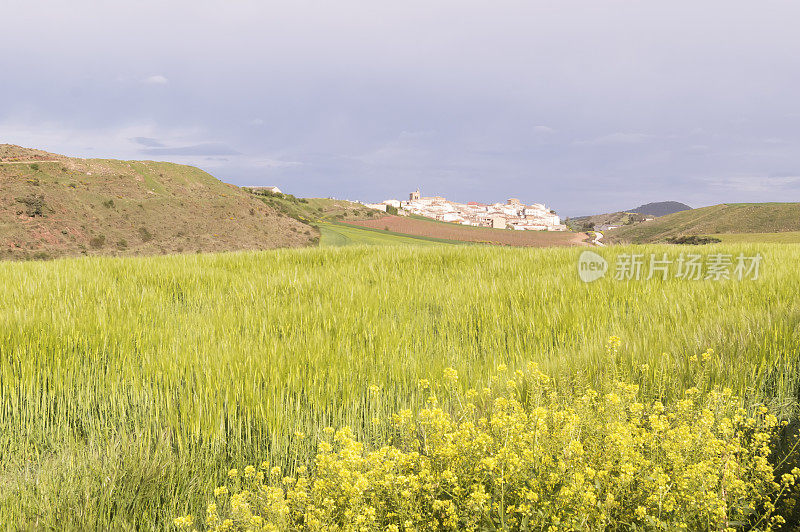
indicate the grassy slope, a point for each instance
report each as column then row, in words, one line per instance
column 318, row 209
column 17, row 154
column 100, row 206
column 789, row 237
column 103, row 403
column 725, row 218
column 613, row 218
column 637, row 215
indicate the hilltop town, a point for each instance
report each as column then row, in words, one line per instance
column 510, row 215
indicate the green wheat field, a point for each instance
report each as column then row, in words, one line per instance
column 130, row 386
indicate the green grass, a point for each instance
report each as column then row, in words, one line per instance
column 314, row 210
column 128, row 386
column 336, row 234
column 789, row 237
column 718, row 219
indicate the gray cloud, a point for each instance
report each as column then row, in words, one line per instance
column 758, row 184
column 580, row 104
column 616, row 138
column 208, row 148
column 147, row 141
column 157, row 79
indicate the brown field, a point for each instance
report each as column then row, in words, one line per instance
column 449, row 231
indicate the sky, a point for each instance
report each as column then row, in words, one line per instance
column 586, row 105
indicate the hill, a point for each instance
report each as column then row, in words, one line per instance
column 315, row 210
column 52, row 205
column 9, row 153
column 596, row 221
column 717, row 219
column 661, row 208
column 633, row 216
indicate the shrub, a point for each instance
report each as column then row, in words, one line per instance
column 34, row 167
column 266, row 193
column 97, row 242
column 145, row 235
column 693, row 240
column 518, row 455
column 109, row 203
column 34, row 205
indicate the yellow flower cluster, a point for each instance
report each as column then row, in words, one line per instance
column 519, row 456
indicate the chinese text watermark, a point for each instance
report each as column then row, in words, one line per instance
column 686, row 267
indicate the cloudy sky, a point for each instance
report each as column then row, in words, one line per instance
column 586, row 105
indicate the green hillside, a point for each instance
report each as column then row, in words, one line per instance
column 629, row 217
column 718, row 219
column 788, row 237
column 51, row 206
column 588, row 223
column 315, row 209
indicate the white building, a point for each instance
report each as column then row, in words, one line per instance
column 268, row 188
column 510, row 215
column 498, row 221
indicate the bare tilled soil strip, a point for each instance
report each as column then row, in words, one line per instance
column 433, row 229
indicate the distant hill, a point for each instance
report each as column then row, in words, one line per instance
column 661, row 208
column 718, row 219
column 597, row 221
column 52, row 205
column 633, row 216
